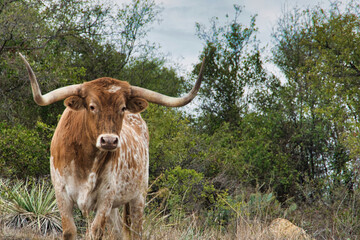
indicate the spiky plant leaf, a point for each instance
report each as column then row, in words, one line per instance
column 33, row 205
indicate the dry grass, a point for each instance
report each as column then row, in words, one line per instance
column 244, row 230
column 247, row 218
column 7, row 233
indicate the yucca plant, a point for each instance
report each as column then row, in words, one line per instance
column 32, row 205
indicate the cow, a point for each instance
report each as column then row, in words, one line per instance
column 100, row 152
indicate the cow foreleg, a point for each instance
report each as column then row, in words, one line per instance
column 98, row 226
column 67, row 220
column 101, row 217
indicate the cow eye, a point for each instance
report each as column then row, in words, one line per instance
column 92, row 108
column 123, row 109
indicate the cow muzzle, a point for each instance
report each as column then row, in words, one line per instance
column 107, row 142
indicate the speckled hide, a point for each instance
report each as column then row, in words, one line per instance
column 100, row 159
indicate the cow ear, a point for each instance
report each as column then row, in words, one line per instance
column 136, row 105
column 74, row 102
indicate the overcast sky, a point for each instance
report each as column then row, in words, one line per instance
column 176, row 32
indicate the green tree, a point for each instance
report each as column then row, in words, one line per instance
column 151, row 73
column 66, row 42
column 123, row 38
column 233, row 65
column 32, row 27
column 317, row 50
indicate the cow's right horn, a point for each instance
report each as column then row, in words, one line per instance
column 53, row 96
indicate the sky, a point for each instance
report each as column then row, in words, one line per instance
column 176, row 32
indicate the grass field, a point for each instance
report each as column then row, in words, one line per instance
column 244, row 231
column 28, row 211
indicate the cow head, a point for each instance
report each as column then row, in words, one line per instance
column 105, row 101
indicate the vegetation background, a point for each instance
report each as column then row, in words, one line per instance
column 256, row 148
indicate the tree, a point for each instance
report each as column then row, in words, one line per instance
column 233, row 66
column 318, row 52
column 66, row 42
column 151, row 73
column 122, row 38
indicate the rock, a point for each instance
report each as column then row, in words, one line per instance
column 283, row 229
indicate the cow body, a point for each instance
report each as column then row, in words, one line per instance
column 98, row 180
column 82, row 175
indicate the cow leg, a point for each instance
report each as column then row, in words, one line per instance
column 98, row 226
column 137, row 206
column 126, row 222
column 67, row 219
column 114, row 224
column 101, row 217
column 133, row 218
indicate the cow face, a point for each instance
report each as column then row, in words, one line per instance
column 105, row 102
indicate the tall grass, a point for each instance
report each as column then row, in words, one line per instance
column 242, row 217
column 30, row 206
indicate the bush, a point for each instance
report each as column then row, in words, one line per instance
column 23, row 152
column 253, row 206
column 172, row 141
column 29, row 204
column 181, row 191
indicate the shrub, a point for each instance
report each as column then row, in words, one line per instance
column 23, row 153
column 26, row 204
column 171, row 138
column 180, row 191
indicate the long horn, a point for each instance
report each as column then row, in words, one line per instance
column 164, row 100
column 53, row 96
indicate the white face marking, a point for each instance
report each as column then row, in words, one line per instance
column 114, row 89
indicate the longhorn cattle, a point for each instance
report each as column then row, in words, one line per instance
column 100, row 152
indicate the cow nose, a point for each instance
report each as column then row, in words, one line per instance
column 109, row 141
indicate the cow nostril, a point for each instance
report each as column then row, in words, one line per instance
column 108, row 141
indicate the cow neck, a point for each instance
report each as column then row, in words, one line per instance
column 102, row 158
column 93, row 157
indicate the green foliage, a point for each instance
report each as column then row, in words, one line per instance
column 181, row 180
column 151, row 73
column 66, row 42
column 22, row 152
column 33, row 205
column 181, row 191
column 257, row 205
column 172, row 140
column 220, row 153
column 184, row 187
column 317, row 51
column 262, row 139
column 232, row 65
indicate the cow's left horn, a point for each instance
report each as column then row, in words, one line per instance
column 53, row 96
column 164, row 100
